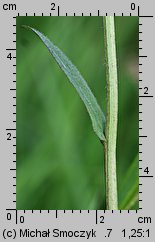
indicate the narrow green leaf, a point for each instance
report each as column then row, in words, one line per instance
column 74, row 76
column 130, row 187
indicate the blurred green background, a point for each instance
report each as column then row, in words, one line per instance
column 59, row 158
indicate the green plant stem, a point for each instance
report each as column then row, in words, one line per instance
column 112, row 113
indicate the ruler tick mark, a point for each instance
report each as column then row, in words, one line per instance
column 96, row 216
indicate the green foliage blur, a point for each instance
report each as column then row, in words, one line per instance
column 59, row 158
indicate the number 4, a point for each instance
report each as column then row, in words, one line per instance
column 146, row 170
column 9, row 56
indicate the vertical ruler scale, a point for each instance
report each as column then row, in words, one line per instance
column 145, row 95
column 76, row 224
column 11, row 131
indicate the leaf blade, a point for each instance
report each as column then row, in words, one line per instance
column 81, row 86
column 130, row 186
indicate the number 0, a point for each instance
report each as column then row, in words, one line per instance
column 133, row 6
